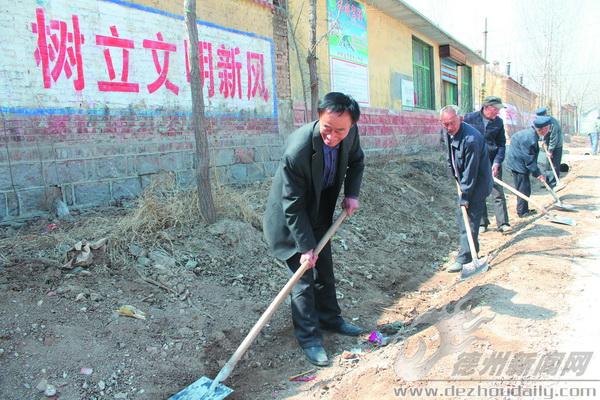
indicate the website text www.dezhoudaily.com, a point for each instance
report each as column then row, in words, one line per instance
column 534, row 391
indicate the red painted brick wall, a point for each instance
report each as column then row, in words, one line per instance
column 384, row 131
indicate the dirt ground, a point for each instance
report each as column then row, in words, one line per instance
column 196, row 291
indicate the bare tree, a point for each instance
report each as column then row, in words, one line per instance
column 311, row 59
column 205, row 199
column 311, row 50
column 292, row 30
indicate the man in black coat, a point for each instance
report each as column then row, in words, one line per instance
column 319, row 158
column 522, row 160
column 554, row 145
column 470, row 165
column 491, row 126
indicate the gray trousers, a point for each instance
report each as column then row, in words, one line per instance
column 474, row 212
column 500, row 210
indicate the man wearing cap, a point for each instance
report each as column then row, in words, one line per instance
column 554, row 144
column 522, row 159
column 491, row 126
column 469, row 162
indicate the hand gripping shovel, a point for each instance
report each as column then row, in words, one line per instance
column 559, row 204
column 552, row 218
column 478, row 265
column 204, row 388
column 558, row 184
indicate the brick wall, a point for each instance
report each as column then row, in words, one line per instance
column 62, row 135
column 388, row 132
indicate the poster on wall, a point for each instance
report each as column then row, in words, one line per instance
column 348, row 48
column 408, row 93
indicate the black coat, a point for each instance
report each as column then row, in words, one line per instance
column 292, row 209
column 494, row 135
column 523, row 152
column 473, row 166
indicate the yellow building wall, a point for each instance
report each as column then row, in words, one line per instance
column 299, row 38
column 390, row 51
column 242, row 15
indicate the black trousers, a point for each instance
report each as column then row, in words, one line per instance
column 523, row 185
column 314, row 301
column 500, row 210
column 556, row 159
column 475, row 211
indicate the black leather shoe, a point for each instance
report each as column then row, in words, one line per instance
column 316, row 355
column 348, row 329
column 528, row 213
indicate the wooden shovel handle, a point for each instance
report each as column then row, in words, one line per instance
column 467, row 223
column 521, row 195
column 551, row 163
column 552, row 192
column 266, row 316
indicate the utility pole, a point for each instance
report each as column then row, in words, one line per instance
column 484, row 85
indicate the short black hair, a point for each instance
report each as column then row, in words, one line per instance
column 337, row 102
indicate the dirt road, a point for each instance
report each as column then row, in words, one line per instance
column 201, row 288
column 532, row 330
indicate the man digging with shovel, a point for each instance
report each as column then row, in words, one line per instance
column 470, row 165
column 319, row 158
column 522, row 160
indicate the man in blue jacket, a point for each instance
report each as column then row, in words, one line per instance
column 319, row 158
column 554, row 144
column 470, row 164
column 491, row 126
column 522, row 160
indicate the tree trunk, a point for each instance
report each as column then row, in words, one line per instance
column 312, row 61
column 205, row 199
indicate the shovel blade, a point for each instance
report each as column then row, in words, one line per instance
column 561, row 220
column 200, row 390
column 474, row 268
column 565, row 207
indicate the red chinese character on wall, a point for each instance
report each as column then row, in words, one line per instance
column 55, row 44
column 256, row 76
column 125, row 44
column 229, row 72
column 163, row 70
column 206, row 65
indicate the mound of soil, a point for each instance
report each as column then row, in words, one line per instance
column 201, row 288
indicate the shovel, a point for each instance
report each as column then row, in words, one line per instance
column 206, row 389
column 559, row 204
column 478, row 265
column 552, row 218
column 558, row 185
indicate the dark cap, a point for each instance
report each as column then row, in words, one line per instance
column 542, row 121
column 541, row 111
column 493, row 101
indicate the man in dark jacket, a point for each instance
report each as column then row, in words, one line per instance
column 554, row 145
column 470, row 164
column 522, row 160
column 491, row 126
column 319, row 158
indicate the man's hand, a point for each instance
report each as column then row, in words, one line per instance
column 309, row 257
column 464, row 203
column 496, row 170
column 541, row 178
column 350, row 205
column 549, row 154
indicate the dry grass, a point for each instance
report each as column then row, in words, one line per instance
column 164, row 208
column 245, row 204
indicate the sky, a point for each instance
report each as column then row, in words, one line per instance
column 556, row 39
